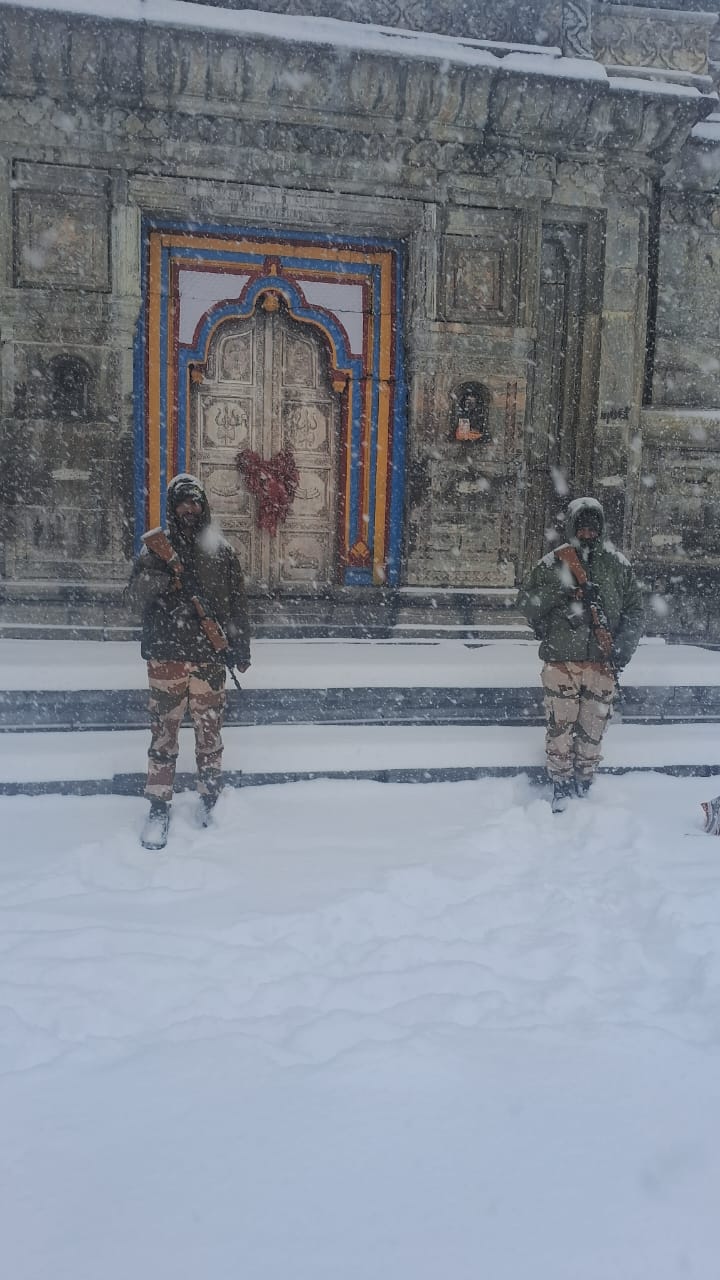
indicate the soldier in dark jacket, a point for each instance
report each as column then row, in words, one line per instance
column 578, row 678
column 183, row 668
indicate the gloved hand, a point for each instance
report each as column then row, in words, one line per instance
column 190, row 584
column 617, row 660
column 235, row 658
column 590, row 592
column 159, row 573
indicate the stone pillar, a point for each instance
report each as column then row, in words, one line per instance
column 126, row 234
column 624, row 320
column 577, row 28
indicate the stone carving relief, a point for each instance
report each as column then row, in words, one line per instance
column 671, row 41
column 701, row 211
column 311, row 498
column 480, row 274
column 302, row 557
column 298, row 363
column 527, row 21
column 236, row 359
column 307, row 428
column 226, row 423
column 505, row 164
column 71, row 533
column 576, row 39
column 224, row 488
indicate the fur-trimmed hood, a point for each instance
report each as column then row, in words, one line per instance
column 181, row 487
column 574, row 514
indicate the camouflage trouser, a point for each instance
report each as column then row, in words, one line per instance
column 578, row 706
column 173, row 687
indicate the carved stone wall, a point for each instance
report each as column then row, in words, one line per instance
column 103, row 122
column 678, row 520
column 687, row 358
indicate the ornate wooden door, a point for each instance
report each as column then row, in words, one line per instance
column 266, row 386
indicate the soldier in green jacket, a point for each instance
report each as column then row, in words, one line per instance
column 579, row 676
column 184, row 671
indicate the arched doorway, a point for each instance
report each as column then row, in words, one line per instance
column 266, row 386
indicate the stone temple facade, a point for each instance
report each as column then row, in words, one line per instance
column 463, row 259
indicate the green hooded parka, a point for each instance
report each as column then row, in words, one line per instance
column 560, row 621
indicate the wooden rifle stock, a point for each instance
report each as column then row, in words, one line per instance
column 601, row 630
column 156, row 540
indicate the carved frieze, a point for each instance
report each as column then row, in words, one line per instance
column 51, row 535
column 637, row 37
column 527, row 21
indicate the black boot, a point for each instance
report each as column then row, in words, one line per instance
column 207, row 803
column 562, row 792
column 155, row 832
column 582, row 786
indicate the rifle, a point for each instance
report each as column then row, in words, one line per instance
column 598, row 617
column 156, row 540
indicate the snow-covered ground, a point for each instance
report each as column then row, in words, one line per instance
column 27, row 758
column 361, row 1031
column 340, row 664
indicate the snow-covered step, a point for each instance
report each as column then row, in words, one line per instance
column 115, row 761
column 343, row 664
column 96, row 686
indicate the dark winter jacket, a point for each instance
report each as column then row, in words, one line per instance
column 171, row 629
column 561, row 622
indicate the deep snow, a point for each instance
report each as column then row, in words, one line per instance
column 362, row 1031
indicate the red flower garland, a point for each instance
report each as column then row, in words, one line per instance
column 274, row 483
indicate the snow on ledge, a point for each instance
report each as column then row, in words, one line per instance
column 426, row 46
column 708, row 130
column 640, row 85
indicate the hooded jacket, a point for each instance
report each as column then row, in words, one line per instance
column 560, row 621
column 171, row 629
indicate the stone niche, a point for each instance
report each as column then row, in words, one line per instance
column 61, row 227
column 463, row 495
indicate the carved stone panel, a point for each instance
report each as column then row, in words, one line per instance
column 299, row 362
column 224, row 489
column 235, row 358
column 480, row 275
column 307, row 426
column 227, row 422
column 302, row 557
column 61, row 240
